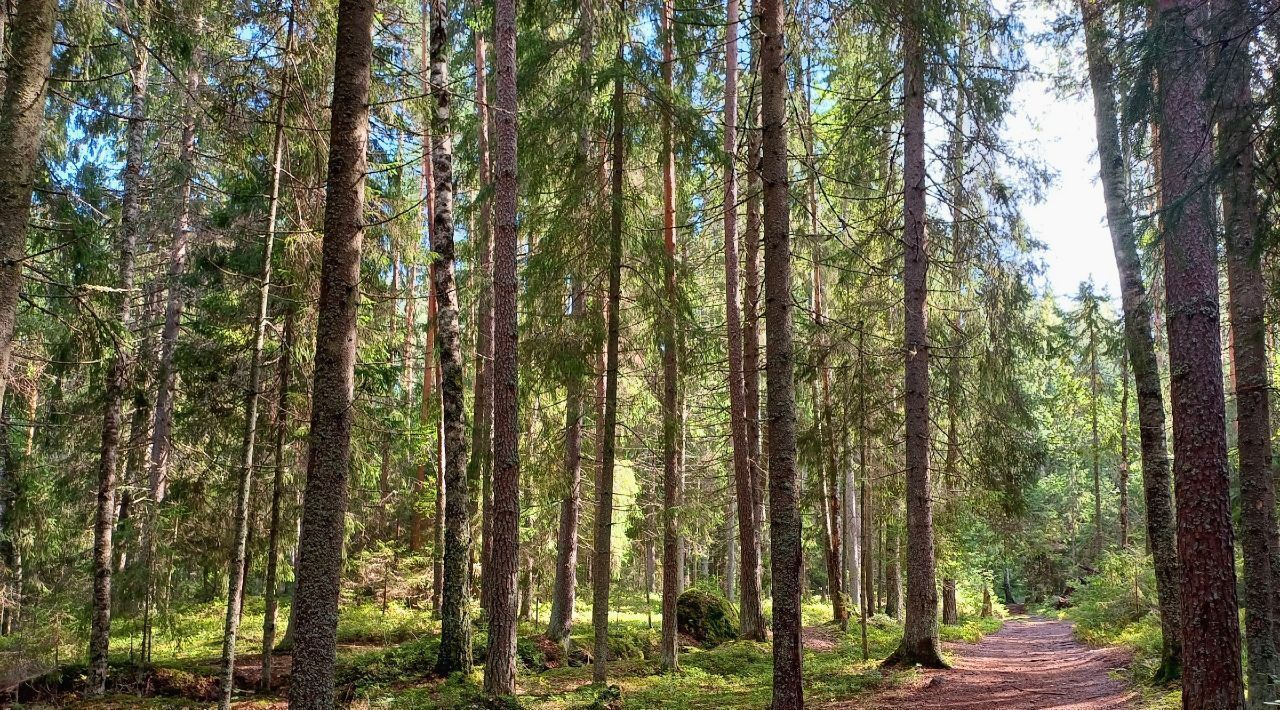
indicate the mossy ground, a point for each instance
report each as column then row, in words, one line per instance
column 385, row 660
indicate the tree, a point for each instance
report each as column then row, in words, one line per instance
column 1139, row 341
column 784, row 510
column 920, row 632
column 602, row 560
column 109, row 453
column 333, row 388
column 748, row 535
column 1210, row 626
column 455, row 622
column 21, row 123
column 500, row 666
column 1234, row 23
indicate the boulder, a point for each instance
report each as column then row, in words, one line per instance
column 707, row 618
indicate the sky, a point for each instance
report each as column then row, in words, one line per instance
column 1071, row 220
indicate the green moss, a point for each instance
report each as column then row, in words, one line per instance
column 706, row 617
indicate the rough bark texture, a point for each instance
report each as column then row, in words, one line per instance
column 117, row 372
column 329, row 454
column 784, row 483
column 601, row 563
column 1234, row 22
column 455, row 621
column 500, row 667
column 1210, row 627
column 1139, row 342
column 30, row 31
column 480, row 467
column 950, row 613
column 920, row 632
column 672, row 572
column 748, row 569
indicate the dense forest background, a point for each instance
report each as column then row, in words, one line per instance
column 250, row 255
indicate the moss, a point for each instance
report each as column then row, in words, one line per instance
column 707, row 618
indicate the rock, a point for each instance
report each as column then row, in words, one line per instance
column 707, row 618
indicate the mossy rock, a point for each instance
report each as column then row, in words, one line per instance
column 707, row 618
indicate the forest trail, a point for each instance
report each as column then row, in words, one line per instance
column 1031, row 664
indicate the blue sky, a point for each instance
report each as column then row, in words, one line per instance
column 1060, row 131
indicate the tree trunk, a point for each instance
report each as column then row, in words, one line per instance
column 752, row 621
column 281, row 422
column 751, row 301
column 562, row 594
column 329, row 453
column 1210, row 626
column 117, row 373
column 30, row 30
column 601, row 563
column 427, row 191
column 785, row 524
column 986, row 599
column 672, row 569
column 920, row 632
column 1247, row 291
column 1094, row 445
column 455, row 622
column 235, row 597
column 500, row 666
column 480, row 466
column 950, row 614
column 1139, row 342
column 893, row 573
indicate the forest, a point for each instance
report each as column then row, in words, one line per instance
column 634, row 354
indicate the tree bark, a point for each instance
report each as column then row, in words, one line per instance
column 239, row 560
column 1247, row 287
column 950, row 612
column 117, row 372
column 748, row 570
column 1139, row 342
column 1124, row 452
column 427, row 191
column 455, row 622
column 892, row 572
column 329, row 453
column 920, row 632
column 751, row 299
column 500, row 666
column 601, row 563
column 480, row 466
column 1210, row 626
column 30, row 30
column 670, row 346
column 785, row 523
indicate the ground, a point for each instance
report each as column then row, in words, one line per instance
column 1031, row 663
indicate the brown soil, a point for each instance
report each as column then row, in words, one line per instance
column 1030, row 664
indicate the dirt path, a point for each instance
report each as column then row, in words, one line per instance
column 1030, row 664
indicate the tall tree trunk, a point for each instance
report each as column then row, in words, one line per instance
column 480, row 466
column 785, row 523
column 117, row 372
column 671, row 419
column 1139, row 342
column 751, row 297
column 1234, row 22
column 455, row 622
column 30, row 31
column 1210, row 626
column 500, row 666
column 280, row 420
column 829, row 446
column 602, row 563
column 427, row 192
column 868, row 601
column 752, row 621
column 893, row 571
column 253, row 395
column 920, row 632
column 324, row 502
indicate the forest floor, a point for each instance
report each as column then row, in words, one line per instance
column 1031, row 663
